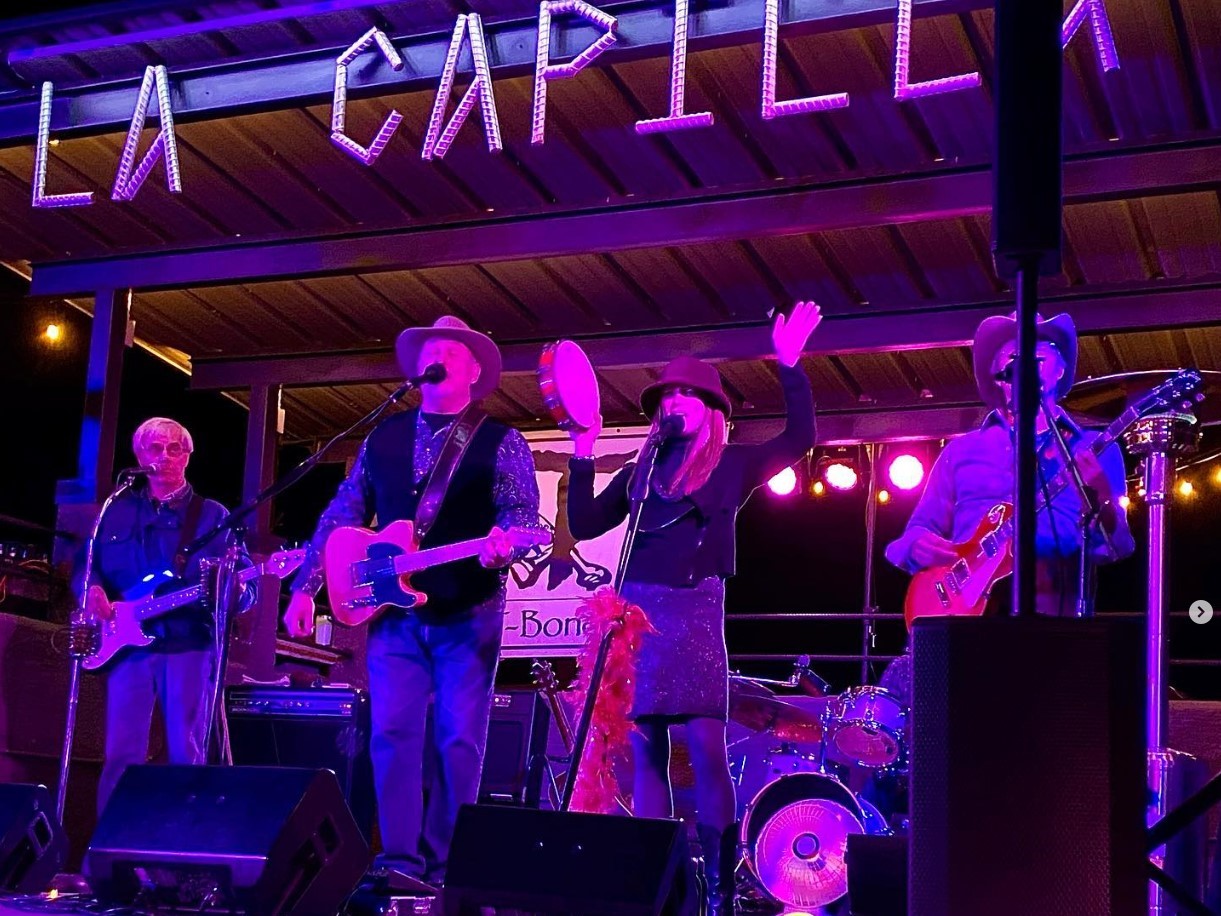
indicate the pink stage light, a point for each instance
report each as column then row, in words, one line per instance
column 906, row 472
column 840, row 475
column 783, row 483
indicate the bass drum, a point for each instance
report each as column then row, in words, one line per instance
column 795, row 838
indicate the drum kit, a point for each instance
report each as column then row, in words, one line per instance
column 794, row 772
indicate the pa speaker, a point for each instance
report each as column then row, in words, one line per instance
column 1028, row 786
column 1026, row 173
column 33, row 846
column 877, row 875
column 565, row 862
column 269, row 841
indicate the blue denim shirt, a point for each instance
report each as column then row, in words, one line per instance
column 975, row 472
column 138, row 538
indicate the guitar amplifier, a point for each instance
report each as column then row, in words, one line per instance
column 314, row 728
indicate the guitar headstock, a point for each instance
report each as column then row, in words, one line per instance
column 282, row 563
column 544, row 676
column 1181, row 391
column 529, row 537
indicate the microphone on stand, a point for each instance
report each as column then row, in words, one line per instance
column 670, row 426
column 430, row 376
column 132, row 475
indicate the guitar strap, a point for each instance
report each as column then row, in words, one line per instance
column 189, row 524
column 456, row 441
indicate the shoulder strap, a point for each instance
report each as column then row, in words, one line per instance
column 456, row 442
column 189, row 524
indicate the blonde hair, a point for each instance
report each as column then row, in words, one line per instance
column 165, row 425
column 701, row 455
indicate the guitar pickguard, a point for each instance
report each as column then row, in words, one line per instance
column 375, row 581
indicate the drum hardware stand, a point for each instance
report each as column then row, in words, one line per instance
column 1156, row 438
column 870, row 610
column 82, row 641
column 638, row 490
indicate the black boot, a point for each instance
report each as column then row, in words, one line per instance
column 720, row 851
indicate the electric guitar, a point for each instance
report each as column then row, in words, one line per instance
column 367, row 572
column 962, row 588
column 125, row 630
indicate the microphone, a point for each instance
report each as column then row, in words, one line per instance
column 430, row 376
column 670, row 426
column 134, row 474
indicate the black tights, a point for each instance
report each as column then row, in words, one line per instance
column 714, row 795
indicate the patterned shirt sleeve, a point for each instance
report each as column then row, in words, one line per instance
column 515, row 490
column 351, row 505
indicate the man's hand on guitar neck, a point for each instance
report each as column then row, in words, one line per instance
column 299, row 615
column 97, row 605
column 497, row 550
column 932, row 550
column 1092, row 473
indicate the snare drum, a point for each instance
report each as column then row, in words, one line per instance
column 867, row 726
column 568, row 385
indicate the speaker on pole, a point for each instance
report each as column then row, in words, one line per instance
column 267, row 841
column 1028, row 785
column 33, row 845
column 1026, row 173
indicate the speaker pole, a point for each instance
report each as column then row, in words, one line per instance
column 1026, row 222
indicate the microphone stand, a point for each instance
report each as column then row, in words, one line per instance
column 638, row 490
column 82, row 641
column 1090, row 511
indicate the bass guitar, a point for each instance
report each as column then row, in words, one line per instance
column 125, row 629
column 962, row 588
column 368, row 572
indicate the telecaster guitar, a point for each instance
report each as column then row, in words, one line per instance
column 963, row 587
column 367, row 571
column 125, row 630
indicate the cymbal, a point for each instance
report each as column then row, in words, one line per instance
column 1098, row 401
column 757, row 708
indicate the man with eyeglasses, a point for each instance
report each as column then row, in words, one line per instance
column 141, row 545
column 975, row 472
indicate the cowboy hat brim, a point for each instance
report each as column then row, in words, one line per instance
column 487, row 354
column 994, row 332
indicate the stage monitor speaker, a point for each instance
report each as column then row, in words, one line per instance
column 877, row 875
column 1028, row 785
column 1027, row 164
column 565, row 862
column 268, row 841
column 33, row 845
column 314, row 728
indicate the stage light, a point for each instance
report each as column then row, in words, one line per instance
column 906, row 472
column 1186, row 488
column 883, row 496
column 53, row 332
column 783, row 483
column 1217, row 476
column 1124, row 502
column 840, row 475
column 817, row 488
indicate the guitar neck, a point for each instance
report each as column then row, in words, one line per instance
column 155, row 607
column 407, row 563
column 1064, row 477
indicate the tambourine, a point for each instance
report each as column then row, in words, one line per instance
column 568, row 385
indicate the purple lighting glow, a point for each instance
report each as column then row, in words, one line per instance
column 784, row 483
column 906, row 472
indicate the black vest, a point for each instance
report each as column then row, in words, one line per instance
column 468, row 510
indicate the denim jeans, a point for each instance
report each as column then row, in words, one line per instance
column 454, row 661
column 182, row 681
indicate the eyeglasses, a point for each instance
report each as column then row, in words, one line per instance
column 173, row 449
